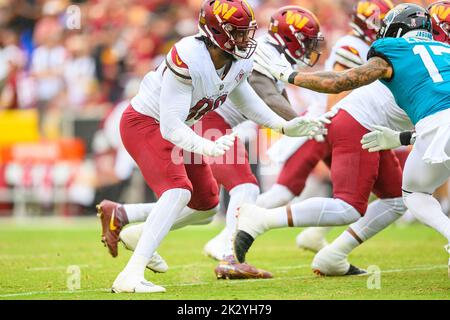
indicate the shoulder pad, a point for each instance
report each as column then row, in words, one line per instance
column 177, row 66
column 349, row 57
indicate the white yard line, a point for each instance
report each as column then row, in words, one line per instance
column 31, row 293
column 55, row 268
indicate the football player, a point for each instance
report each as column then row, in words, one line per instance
column 294, row 33
column 416, row 69
column 349, row 51
column 199, row 74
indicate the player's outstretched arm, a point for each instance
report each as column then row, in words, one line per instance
column 329, row 82
column 336, row 82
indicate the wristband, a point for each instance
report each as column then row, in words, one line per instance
column 406, row 138
column 292, row 76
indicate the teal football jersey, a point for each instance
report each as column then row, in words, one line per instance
column 421, row 78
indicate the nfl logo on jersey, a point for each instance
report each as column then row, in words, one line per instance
column 239, row 76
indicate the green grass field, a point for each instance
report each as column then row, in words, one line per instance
column 34, row 257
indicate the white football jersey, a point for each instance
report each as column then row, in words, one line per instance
column 190, row 61
column 375, row 105
column 228, row 111
column 349, row 51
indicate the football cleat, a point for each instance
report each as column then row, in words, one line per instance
column 250, row 224
column 111, row 215
column 230, row 269
column 130, row 237
column 157, row 264
column 129, row 283
column 215, row 248
column 352, row 271
column 311, row 239
column 329, row 262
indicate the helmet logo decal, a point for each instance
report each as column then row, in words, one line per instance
column 367, row 9
column 441, row 11
column 223, row 10
column 296, row 19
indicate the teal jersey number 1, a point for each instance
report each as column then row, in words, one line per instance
column 421, row 74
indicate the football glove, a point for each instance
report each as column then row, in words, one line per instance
column 281, row 69
column 220, row 146
column 303, row 127
column 381, row 138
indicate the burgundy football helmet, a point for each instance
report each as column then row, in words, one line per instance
column 440, row 16
column 297, row 31
column 230, row 25
column 367, row 16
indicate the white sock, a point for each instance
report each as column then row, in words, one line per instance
column 277, row 196
column 427, row 210
column 344, row 244
column 158, row 224
column 138, row 212
column 380, row 214
column 243, row 193
column 136, row 265
column 323, row 212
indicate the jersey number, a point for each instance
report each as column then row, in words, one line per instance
column 205, row 105
column 428, row 60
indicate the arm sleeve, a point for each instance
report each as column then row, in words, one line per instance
column 175, row 101
column 267, row 90
column 247, row 101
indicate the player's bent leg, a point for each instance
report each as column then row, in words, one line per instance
column 167, row 208
column 254, row 221
column 332, row 259
column 418, row 189
column 221, row 246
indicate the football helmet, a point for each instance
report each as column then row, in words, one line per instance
column 440, row 18
column 404, row 18
column 297, row 31
column 367, row 16
column 230, row 25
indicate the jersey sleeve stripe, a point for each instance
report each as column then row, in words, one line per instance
column 176, row 65
column 349, row 57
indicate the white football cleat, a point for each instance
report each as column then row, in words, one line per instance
column 130, row 283
column 329, row 262
column 312, row 239
column 215, row 248
column 130, row 237
column 157, row 264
